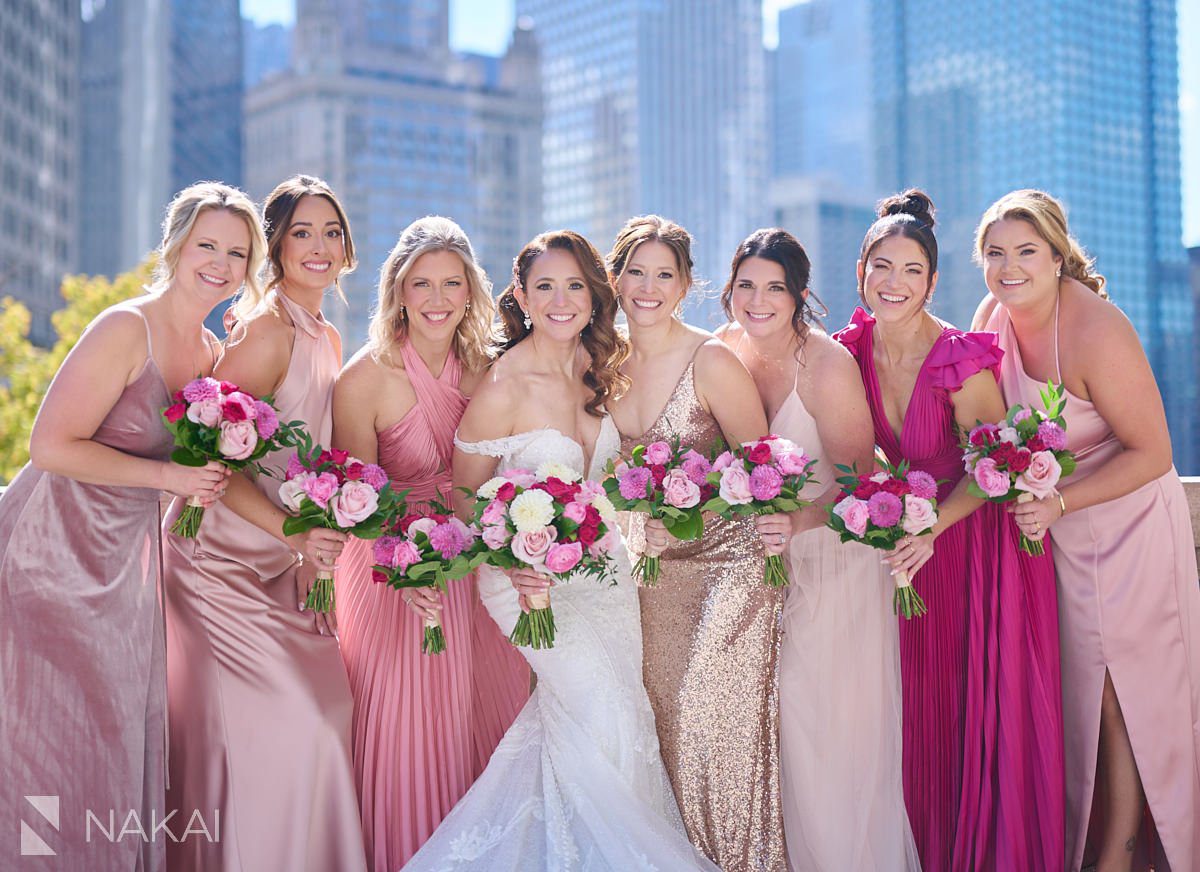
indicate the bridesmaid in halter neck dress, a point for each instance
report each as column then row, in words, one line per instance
column 839, row 673
column 710, row 627
column 82, row 725
column 425, row 726
column 1122, row 544
column 259, row 702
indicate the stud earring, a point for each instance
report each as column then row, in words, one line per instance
column 468, row 307
column 1058, row 273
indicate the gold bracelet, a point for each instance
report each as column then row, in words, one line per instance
column 1062, row 503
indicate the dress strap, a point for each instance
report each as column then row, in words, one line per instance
column 146, row 324
column 1057, row 365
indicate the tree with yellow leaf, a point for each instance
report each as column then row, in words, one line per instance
column 26, row 370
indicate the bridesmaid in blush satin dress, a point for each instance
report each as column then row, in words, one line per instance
column 425, row 726
column 82, row 723
column 259, row 703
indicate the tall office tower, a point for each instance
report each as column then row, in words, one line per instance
column 655, row 106
column 400, row 133
column 39, row 141
column 1081, row 99
column 267, row 49
column 161, row 89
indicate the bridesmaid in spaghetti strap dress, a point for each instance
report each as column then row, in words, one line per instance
column 1122, row 542
column 710, row 627
column 82, row 725
column 259, row 702
column 839, row 671
column 424, row 726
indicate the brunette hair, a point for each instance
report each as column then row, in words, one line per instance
column 651, row 228
column 607, row 348
column 778, row 246
column 908, row 214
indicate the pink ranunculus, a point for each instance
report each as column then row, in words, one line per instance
column 404, row 555
column 679, row 490
column 382, row 548
column 175, row 411
column 495, row 536
column 202, row 389
column 991, row 481
column 575, row 511
column 240, row 400
column 532, row 546
column 855, row 513
column 603, row 545
column 265, row 419
column 1054, row 436
column 320, row 488
column 657, row 453
column 448, row 540
column 1022, row 415
column 354, row 503
column 765, row 483
column 237, row 440
column 493, row 514
column 421, row 525
column 1042, row 476
column 885, row 509
column 725, row 460
column 735, row 486
column 791, row 463
column 521, row 477
column 632, row 484
column 292, row 493
column 919, row 515
column 373, row 474
column 206, row 413
column 922, row 483
column 563, row 557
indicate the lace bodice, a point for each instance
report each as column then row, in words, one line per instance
column 530, row 449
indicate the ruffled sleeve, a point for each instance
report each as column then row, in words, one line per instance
column 856, row 334
column 959, row 355
column 501, row 448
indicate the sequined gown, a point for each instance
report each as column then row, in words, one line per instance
column 710, row 630
column 260, row 707
column 424, row 726
column 82, row 683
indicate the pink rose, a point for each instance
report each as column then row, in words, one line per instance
column 237, row 440
column 1022, row 415
column 855, row 513
column 575, row 511
column 404, row 555
column 292, row 492
column 206, row 413
column 563, row 558
column 589, row 491
column 793, row 464
column 604, row 545
column 495, row 536
column 493, row 514
column 919, row 515
column 724, row 460
column 679, row 490
column 354, row 503
column 657, row 453
column 1041, row 477
column 991, row 481
column 238, row 407
column 320, row 488
column 521, row 477
column 532, row 546
column 765, row 483
column 735, row 486
column 421, row 525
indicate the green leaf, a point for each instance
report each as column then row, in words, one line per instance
column 184, row 457
column 687, row 528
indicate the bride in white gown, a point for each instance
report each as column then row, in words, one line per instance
column 577, row 784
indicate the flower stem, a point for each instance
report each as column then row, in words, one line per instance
column 434, row 641
column 1032, row 547
column 774, row 572
column 187, row 524
column 646, row 569
column 534, row 629
column 320, row 598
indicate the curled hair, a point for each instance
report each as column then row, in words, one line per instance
column 606, row 348
column 278, row 210
column 474, row 343
column 186, row 207
column 651, row 228
column 1049, row 219
column 779, row 246
column 908, row 214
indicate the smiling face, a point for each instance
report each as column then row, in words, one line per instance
column 651, row 287
column 213, row 258
column 555, row 296
column 895, row 279
column 761, row 301
column 1019, row 266
column 435, row 293
column 313, row 250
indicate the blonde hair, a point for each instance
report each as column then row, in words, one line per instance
column 1049, row 219
column 474, row 338
column 182, row 213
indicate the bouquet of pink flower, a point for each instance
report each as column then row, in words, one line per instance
column 215, row 420
column 760, row 478
column 551, row 521
column 333, row 490
column 881, row 509
column 664, row 481
column 426, row 546
column 1021, row 458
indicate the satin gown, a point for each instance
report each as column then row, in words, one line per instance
column 424, row 726
column 710, row 631
column 1129, row 605
column 82, row 678
column 260, row 707
column 839, row 694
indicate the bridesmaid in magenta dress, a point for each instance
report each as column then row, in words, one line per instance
column 82, row 678
column 425, row 726
column 258, row 698
column 971, row 706
column 1122, row 543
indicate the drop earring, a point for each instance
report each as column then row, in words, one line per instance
column 1058, row 273
column 402, row 313
column 528, row 322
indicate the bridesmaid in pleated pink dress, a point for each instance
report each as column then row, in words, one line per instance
column 259, row 703
column 424, row 726
column 1122, row 543
column 82, row 723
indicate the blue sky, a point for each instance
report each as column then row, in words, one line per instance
column 484, row 26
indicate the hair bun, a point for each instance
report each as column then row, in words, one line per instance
column 914, row 202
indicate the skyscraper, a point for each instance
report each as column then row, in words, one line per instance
column 267, row 49
column 655, row 106
column 39, row 106
column 403, row 128
column 1078, row 98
